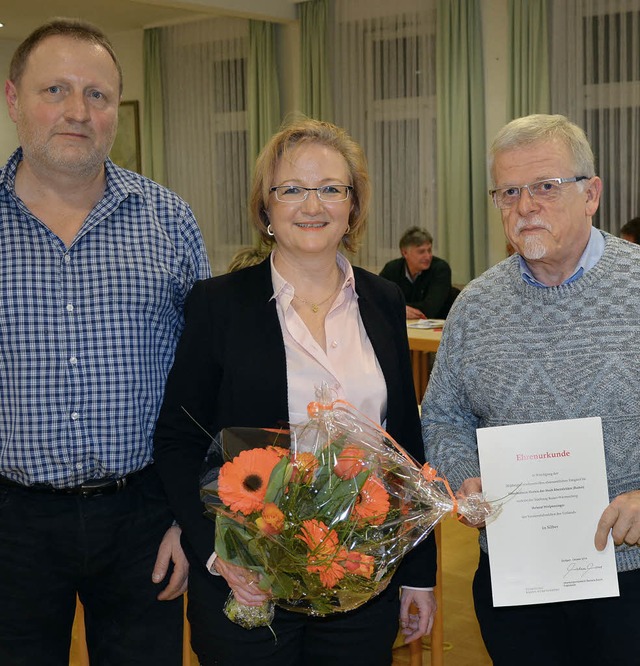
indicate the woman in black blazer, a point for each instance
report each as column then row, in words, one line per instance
column 255, row 345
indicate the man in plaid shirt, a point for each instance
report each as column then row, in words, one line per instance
column 95, row 266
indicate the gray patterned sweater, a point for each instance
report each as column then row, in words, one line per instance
column 513, row 353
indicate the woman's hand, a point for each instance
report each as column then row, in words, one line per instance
column 243, row 582
column 417, row 610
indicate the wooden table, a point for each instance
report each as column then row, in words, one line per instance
column 422, row 342
column 424, row 339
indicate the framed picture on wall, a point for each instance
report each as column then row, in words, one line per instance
column 126, row 148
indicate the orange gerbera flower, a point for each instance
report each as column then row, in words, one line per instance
column 349, row 463
column 359, row 563
column 330, row 575
column 243, row 481
column 304, row 465
column 320, row 539
column 372, row 503
column 324, row 553
column 271, row 519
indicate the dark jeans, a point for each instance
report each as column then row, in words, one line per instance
column 363, row 637
column 104, row 549
column 590, row 632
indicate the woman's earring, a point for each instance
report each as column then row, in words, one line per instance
column 270, row 230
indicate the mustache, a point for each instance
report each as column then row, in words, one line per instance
column 73, row 128
column 535, row 222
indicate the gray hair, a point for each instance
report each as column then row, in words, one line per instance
column 415, row 237
column 540, row 127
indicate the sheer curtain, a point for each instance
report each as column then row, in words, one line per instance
column 384, row 95
column 204, row 74
column 596, row 83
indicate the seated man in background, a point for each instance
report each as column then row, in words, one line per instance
column 425, row 280
column 631, row 231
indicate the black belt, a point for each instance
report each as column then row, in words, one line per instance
column 90, row 488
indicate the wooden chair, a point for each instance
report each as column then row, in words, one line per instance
column 79, row 655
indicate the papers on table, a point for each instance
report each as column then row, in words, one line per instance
column 425, row 323
column 541, row 546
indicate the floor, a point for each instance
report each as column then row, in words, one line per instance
column 463, row 644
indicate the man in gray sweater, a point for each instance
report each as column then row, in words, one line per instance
column 550, row 333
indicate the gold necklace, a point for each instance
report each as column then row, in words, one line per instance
column 316, row 306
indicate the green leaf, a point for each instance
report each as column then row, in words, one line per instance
column 280, row 476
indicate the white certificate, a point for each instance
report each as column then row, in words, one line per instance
column 541, row 546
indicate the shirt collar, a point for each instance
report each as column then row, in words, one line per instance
column 407, row 274
column 284, row 288
column 589, row 258
column 118, row 184
column 119, row 181
column 8, row 173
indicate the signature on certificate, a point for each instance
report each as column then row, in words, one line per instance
column 577, row 570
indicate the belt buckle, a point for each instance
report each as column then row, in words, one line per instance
column 97, row 487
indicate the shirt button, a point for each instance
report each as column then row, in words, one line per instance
column 67, row 258
column 69, row 307
column 79, row 465
column 75, row 416
column 334, row 344
column 73, row 360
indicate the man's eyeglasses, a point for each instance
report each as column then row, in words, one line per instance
column 549, row 189
column 298, row 194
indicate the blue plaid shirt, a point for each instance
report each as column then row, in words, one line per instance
column 88, row 333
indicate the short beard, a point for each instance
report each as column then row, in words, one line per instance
column 532, row 247
column 85, row 168
column 37, row 148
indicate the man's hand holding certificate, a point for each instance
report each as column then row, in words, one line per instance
column 541, row 547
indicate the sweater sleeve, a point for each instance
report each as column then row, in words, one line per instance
column 448, row 421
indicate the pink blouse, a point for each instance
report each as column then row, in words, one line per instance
column 349, row 366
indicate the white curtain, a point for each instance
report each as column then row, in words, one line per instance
column 204, row 69
column 384, row 95
column 595, row 65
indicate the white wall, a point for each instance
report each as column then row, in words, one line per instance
column 8, row 138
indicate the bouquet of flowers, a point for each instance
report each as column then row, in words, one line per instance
column 324, row 512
